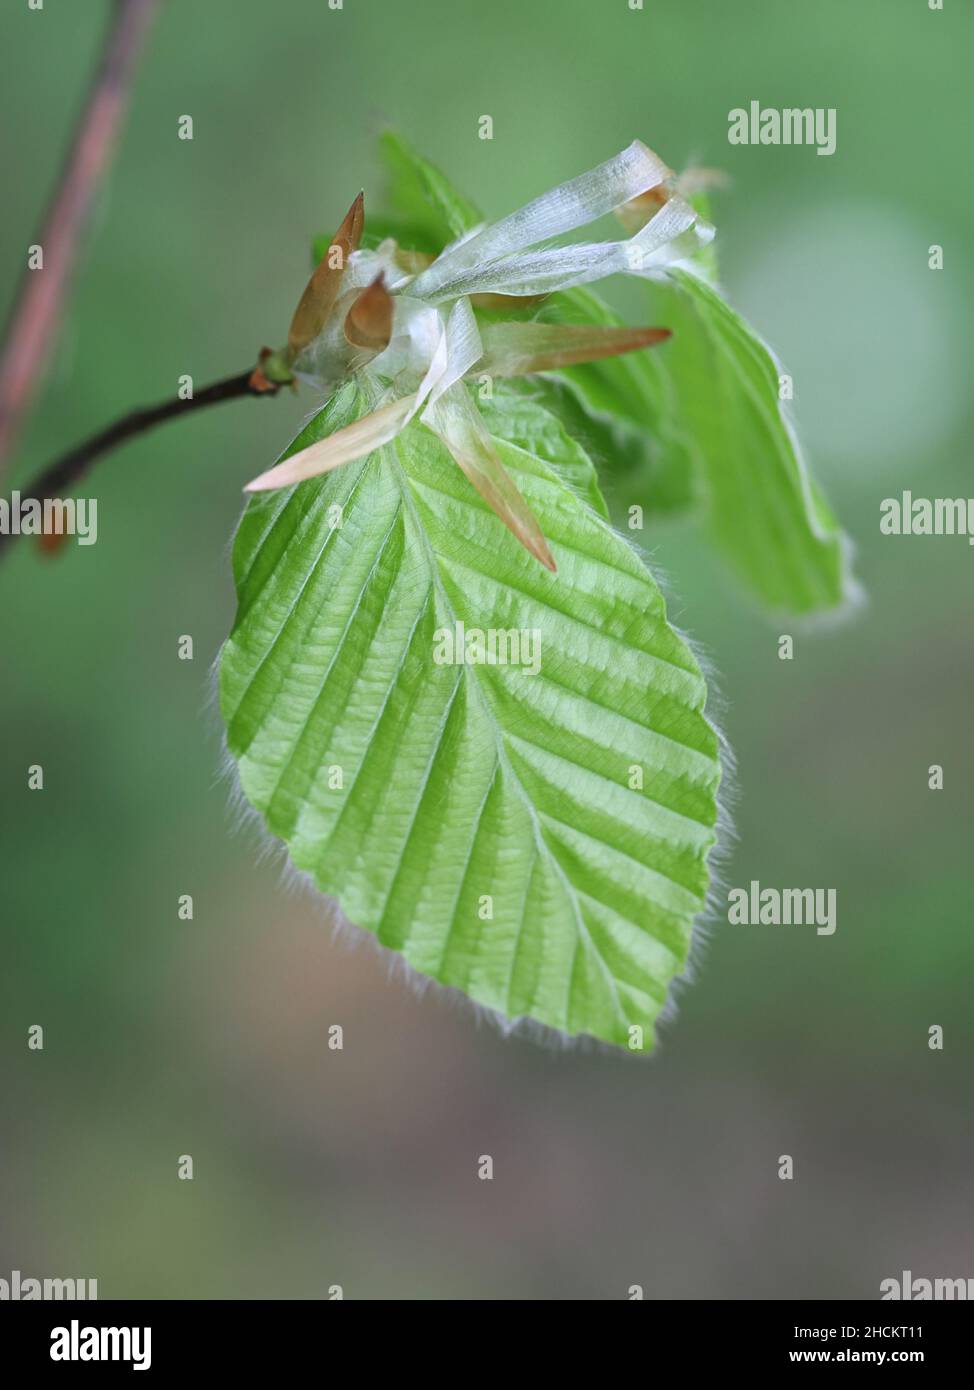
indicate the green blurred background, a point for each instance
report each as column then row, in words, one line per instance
column 209, row 1037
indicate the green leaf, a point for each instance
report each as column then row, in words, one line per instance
column 411, row 236
column 517, row 418
column 426, row 210
column 645, row 445
column 711, row 430
column 477, row 818
column 765, row 513
column 421, row 195
column 705, row 261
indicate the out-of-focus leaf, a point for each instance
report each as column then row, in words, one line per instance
column 698, row 421
column 378, row 228
column 421, row 195
column 765, row 513
column 645, row 447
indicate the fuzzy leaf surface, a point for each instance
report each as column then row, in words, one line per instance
column 479, row 819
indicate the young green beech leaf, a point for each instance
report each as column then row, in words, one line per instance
column 647, row 450
column 699, row 421
column 615, row 465
column 521, row 416
column 423, row 197
column 765, row 512
column 708, row 400
column 532, row 829
column 411, row 235
column 427, row 211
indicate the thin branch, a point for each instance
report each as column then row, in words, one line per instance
column 37, row 308
column 65, row 473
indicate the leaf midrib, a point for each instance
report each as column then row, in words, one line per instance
column 541, row 843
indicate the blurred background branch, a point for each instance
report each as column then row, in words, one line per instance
column 68, row 470
column 39, row 302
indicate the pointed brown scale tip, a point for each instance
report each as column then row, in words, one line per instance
column 463, row 431
column 368, row 323
column 354, row 222
column 321, row 291
column 534, row 541
column 501, row 493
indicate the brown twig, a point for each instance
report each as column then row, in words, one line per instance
column 65, row 473
column 38, row 305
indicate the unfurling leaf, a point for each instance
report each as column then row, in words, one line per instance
column 423, row 197
column 700, row 424
column 764, row 510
